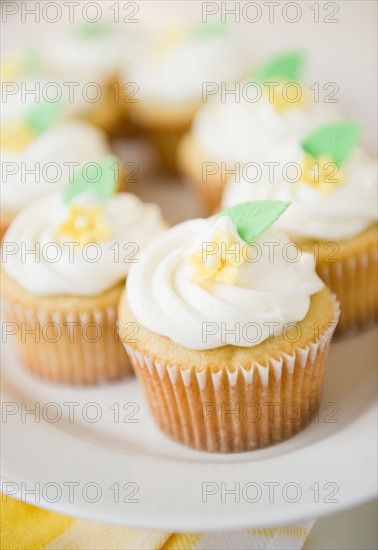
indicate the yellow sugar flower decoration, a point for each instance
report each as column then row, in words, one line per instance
column 222, row 264
column 221, row 255
column 284, row 95
column 280, row 77
column 11, row 69
column 15, row 137
column 84, row 225
column 322, row 173
column 172, row 38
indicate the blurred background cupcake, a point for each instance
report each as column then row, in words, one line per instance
column 332, row 185
column 170, row 71
column 229, row 130
column 39, row 154
column 67, row 292
column 88, row 56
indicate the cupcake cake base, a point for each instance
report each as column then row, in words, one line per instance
column 106, row 113
column 207, row 183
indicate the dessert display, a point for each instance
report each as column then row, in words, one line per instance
column 218, row 313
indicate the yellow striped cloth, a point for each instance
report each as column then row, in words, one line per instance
column 25, row 527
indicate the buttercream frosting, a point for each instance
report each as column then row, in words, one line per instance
column 341, row 213
column 173, row 73
column 240, row 130
column 82, row 56
column 127, row 224
column 64, row 143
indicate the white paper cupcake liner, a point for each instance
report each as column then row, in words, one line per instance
column 354, row 281
column 68, row 348
column 238, row 410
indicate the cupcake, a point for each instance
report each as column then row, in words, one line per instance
column 63, row 297
column 226, row 322
column 170, row 71
column 39, row 154
column 88, row 56
column 270, row 108
column 333, row 189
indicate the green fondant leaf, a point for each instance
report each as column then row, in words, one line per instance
column 207, row 30
column 253, row 218
column 287, row 67
column 91, row 30
column 31, row 61
column 100, row 178
column 337, row 140
column 42, row 116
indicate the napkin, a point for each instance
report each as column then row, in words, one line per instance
column 26, row 527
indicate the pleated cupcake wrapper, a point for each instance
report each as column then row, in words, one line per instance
column 354, row 281
column 240, row 410
column 79, row 348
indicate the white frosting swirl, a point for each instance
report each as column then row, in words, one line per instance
column 65, row 143
column 164, row 299
column 349, row 209
column 238, row 130
column 132, row 224
column 83, row 58
column 175, row 75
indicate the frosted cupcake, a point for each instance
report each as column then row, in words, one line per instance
column 170, row 72
column 68, row 291
column 39, row 155
column 224, row 326
column 332, row 185
column 272, row 107
column 89, row 56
